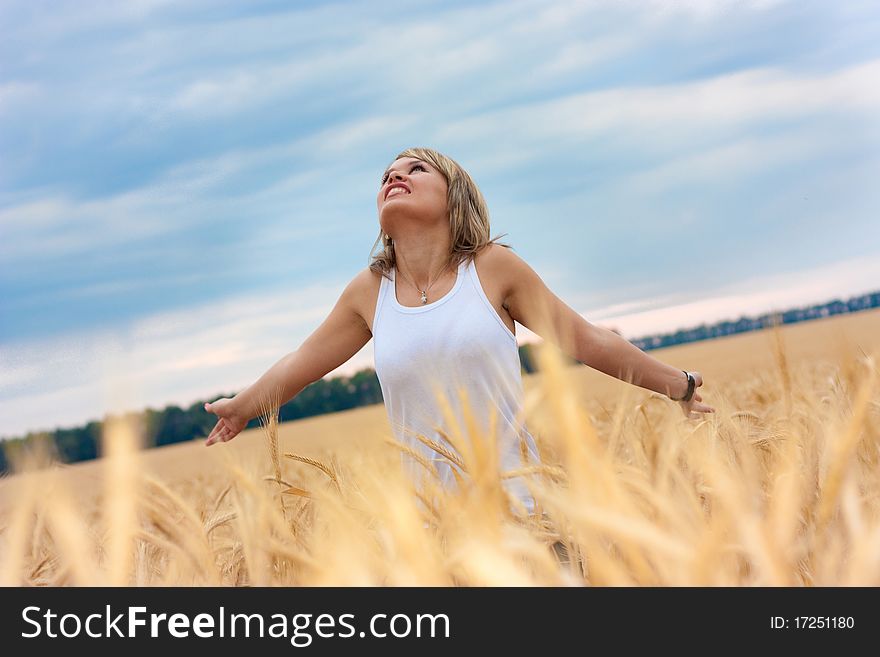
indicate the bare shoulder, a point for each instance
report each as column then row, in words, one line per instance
column 500, row 258
column 365, row 281
column 502, row 264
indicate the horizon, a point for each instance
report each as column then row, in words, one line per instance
column 186, row 189
column 348, row 370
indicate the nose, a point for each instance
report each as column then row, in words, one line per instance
column 393, row 177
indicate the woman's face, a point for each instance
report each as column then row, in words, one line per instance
column 411, row 187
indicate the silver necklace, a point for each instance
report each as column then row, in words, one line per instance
column 423, row 291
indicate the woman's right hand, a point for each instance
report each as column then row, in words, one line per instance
column 695, row 406
column 229, row 423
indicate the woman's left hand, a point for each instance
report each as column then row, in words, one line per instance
column 695, row 406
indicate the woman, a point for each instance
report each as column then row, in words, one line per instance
column 446, row 324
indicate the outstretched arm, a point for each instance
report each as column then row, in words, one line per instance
column 530, row 302
column 336, row 340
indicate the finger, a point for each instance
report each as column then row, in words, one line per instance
column 697, row 397
column 208, row 407
column 212, row 437
column 698, row 378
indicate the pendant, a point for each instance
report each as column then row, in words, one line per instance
column 424, row 297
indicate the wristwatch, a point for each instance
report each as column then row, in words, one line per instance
column 692, row 385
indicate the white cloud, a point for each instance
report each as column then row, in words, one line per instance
column 63, row 19
column 705, row 10
column 428, row 52
column 185, row 195
column 730, row 161
column 16, row 93
column 668, row 112
column 232, row 92
column 62, row 225
column 434, row 55
column 752, row 296
column 166, row 357
column 580, row 55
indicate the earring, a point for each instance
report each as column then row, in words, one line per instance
column 387, row 238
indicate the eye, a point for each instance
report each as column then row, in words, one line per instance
column 414, row 167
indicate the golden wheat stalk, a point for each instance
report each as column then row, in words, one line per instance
column 218, row 521
column 543, row 469
column 269, row 407
column 441, row 450
column 281, row 482
column 842, row 450
column 121, row 442
column 314, row 463
column 414, row 454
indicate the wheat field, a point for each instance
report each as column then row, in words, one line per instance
column 779, row 487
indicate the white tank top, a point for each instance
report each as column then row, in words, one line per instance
column 455, row 341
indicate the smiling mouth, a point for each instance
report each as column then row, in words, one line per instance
column 393, row 192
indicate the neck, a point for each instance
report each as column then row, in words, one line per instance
column 423, row 255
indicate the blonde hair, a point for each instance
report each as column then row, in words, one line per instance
column 468, row 214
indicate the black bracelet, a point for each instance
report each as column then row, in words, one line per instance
column 692, row 385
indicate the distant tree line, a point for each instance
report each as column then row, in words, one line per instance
column 174, row 424
column 744, row 324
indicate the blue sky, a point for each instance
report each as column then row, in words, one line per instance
column 186, row 188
